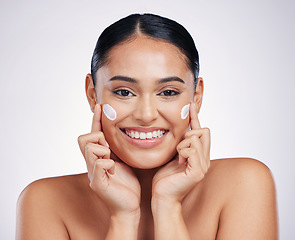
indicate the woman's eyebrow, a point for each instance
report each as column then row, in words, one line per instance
column 132, row 80
column 123, row 78
column 170, row 79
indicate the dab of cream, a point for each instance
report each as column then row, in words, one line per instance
column 109, row 112
column 184, row 112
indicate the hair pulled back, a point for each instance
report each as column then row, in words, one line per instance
column 150, row 25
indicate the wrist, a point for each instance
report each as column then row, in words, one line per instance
column 124, row 226
column 130, row 218
column 168, row 220
column 162, row 207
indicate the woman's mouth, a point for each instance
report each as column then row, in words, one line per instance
column 145, row 135
column 144, row 138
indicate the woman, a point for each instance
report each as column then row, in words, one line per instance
column 148, row 159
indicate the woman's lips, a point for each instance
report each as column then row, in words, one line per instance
column 144, row 137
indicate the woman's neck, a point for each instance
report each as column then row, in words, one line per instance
column 145, row 178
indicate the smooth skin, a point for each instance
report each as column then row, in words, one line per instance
column 171, row 191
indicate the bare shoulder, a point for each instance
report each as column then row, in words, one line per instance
column 57, row 183
column 235, row 175
column 247, row 190
column 48, row 191
column 42, row 203
column 241, row 169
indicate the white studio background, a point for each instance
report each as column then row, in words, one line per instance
column 246, row 53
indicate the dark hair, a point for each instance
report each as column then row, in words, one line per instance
column 150, row 25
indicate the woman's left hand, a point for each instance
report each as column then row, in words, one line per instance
column 177, row 178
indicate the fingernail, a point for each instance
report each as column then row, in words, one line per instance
column 107, row 144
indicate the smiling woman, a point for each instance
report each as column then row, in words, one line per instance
column 147, row 82
column 148, row 159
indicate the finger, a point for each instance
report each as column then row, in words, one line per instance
column 107, row 165
column 197, row 173
column 100, row 173
column 95, row 137
column 204, row 136
column 193, row 159
column 96, row 124
column 194, row 120
column 191, row 142
column 93, row 152
column 200, row 141
column 196, row 163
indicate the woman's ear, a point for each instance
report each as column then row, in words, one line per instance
column 198, row 95
column 90, row 91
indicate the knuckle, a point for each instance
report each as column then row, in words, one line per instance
column 183, row 152
column 194, row 138
column 98, row 164
column 88, row 148
column 206, row 130
column 81, row 139
column 112, row 162
column 108, row 150
column 178, row 148
column 100, row 134
column 187, row 134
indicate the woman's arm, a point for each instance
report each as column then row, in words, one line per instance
column 123, row 227
column 168, row 221
column 177, row 178
column 113, row 182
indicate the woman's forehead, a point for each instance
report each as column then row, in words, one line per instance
column 144, row 56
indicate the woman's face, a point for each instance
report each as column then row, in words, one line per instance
column 147, row 82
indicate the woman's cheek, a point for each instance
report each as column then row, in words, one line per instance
column 108, row 120
column 178, row 116
column 109, row 112
column 184, row 111
column 112, row 114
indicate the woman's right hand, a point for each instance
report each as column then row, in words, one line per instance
column 113, row 181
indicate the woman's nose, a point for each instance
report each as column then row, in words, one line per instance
column 146, row 110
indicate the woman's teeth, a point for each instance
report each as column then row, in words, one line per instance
column 145, row 135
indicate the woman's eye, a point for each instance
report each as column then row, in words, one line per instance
column 168, row 93
column 123, row 93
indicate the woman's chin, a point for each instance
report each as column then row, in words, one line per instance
column 145, row 161
column 145, row 166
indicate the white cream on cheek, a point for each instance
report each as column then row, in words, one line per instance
column 109, row 112
column 184, row 111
